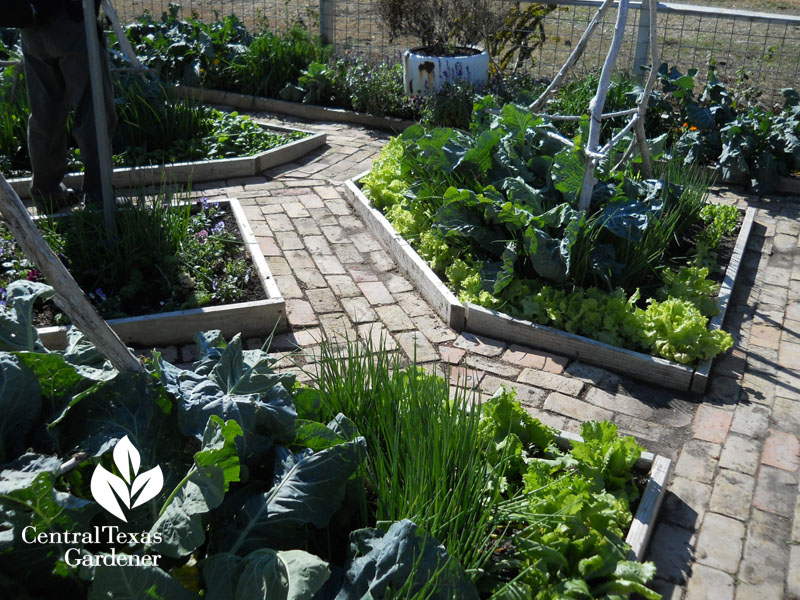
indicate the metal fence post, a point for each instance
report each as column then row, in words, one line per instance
column 326, row 21
column 641, row 54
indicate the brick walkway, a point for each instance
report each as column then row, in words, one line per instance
column 730, row 526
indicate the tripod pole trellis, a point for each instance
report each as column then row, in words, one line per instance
column 594, row 153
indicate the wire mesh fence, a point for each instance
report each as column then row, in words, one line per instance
column 277, row 14
column 757, row 50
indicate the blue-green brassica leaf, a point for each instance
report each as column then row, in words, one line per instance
column 380, row 561
column 308, row 488
column 20, row 406
column 264, row 574
column 216, row 465
column 16, row 317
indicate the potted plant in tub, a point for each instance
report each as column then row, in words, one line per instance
column 448, row 31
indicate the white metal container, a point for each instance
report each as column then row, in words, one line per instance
column 424, row 73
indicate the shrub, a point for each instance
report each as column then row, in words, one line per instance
column 450, row 105
column 376, row 89
column 438, row 24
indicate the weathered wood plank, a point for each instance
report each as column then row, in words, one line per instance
column 251, row 243
column 250, row 318
column 491, row 323
column 310, row 112
column 236, row 100
column 443, row 301
column 643, row 523
column 289, row 152
column 700, row 379
column 207, row 170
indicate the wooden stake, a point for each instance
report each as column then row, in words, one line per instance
column 69, row 295
column 93, row 51
column 644, row 149
column 598, row 102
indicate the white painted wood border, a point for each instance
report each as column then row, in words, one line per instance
column 251, row 319
column 309, row 112
column 206, row 170
column 491, row 323
column 483, row 321
column 658, row 468
column 700, row 379
column 443, row 301
column 644, row 520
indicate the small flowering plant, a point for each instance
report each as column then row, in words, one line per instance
column 214, row 277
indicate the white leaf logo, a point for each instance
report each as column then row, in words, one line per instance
column 104, row 485
column 126, row 457
column 150, row 482
column 110, row 490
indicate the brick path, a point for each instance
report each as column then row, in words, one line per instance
column 730, row 525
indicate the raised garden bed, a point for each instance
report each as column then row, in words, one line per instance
column 310, row 112
column 254, row 318
column 193, row 172
column 476, row 319
column 168, row 424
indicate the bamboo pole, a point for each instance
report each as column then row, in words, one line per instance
column 69, row 295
